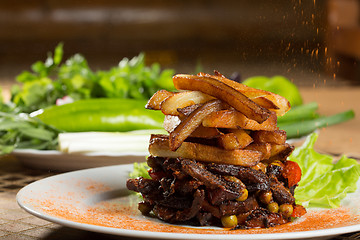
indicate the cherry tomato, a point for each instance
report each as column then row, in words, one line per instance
column 291, row 172
column 298, row 211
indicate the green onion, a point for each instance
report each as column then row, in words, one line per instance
column 298, row 129
column 300, row 112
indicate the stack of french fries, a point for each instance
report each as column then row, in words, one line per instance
column 214, row 119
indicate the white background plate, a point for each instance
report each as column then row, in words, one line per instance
column 52, row 160
column 58, row 161
column 97, row 200
column 90, row 149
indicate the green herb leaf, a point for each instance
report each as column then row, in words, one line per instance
column 21, row 131
column 58, row 53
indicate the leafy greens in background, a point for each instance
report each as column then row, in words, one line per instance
column 22, row 131
column 56, row 78
column 51, row 80
column 323, row 182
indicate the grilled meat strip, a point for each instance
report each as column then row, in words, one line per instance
column 187, row 191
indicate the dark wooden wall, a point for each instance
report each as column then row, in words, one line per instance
column 168, row 31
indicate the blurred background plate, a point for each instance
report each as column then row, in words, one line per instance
column 52, row 160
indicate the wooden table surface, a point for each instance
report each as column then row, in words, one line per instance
column 15, row 223
column 342, row 138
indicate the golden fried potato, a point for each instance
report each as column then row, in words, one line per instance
column 281, row 151
column 224, row 92
column 185, row 111
column 264, row 148
column 188, row 125
column 159, row 146
column 234, row 119
column 276, row 137
column 235, row 139
column 156, row 99
column 205, row 132
column 275, row 102
column 183, row 99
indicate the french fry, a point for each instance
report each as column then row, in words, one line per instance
column 185, row 111
column 159, row 146
column 276, row 137
column 266, row 103
column 156, row 99
column 280, row 105
column 264, row 148
column 281, row 151
column 234, row 119
column 183, row 99
column 205, row 132
column 235, row 139
column 224, row 92
column 188, row 125
column 228, row 141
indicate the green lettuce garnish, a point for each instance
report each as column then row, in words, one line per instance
column 140, row 170
column 324, row 183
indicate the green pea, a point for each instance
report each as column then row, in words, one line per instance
column 229, row 221
column 286, row 209
column 244, row 195
column 273, row 207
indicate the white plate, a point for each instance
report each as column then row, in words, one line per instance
column 97, row 200
column 58, row 161
column 90, row 149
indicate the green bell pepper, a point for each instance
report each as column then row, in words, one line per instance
column 277, row 84
column 102, row 114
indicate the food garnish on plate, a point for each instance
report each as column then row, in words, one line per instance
column 224, row 161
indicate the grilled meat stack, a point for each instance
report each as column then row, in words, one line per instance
column 224, row 161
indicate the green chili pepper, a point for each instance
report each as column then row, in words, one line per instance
column 277, row 84
column 102, row 114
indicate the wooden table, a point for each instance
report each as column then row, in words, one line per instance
column 15, row 223
column 342, row 138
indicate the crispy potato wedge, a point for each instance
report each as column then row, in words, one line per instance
column 281, row 151
column 266, row 103
column 234, row 119
column 275, row 137
column 205, row 132
column 235, row 139
column 159, row 146
column 264, row 148
column 280, row 105
column 184, row 112
column 183, row 99
column 228, row 141
column 156, row 99
column 224, row 92
column 188, row 125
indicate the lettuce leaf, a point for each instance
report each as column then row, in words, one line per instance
column 324, row 183
column 140, row 170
